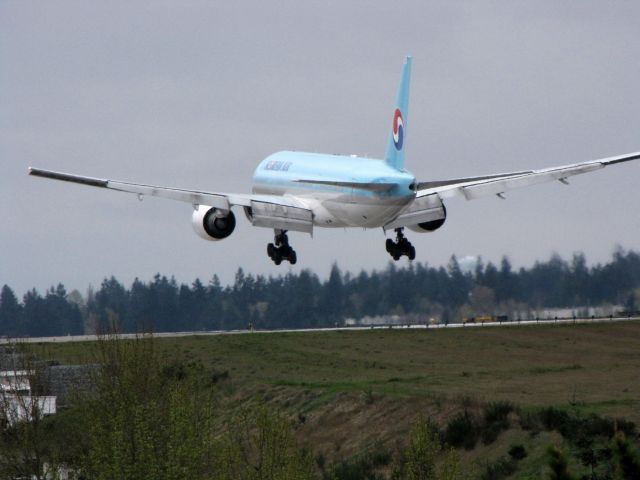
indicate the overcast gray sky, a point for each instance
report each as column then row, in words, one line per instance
column 195, row 93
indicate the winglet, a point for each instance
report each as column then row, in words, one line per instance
column 397, row 136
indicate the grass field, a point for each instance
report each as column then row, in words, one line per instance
column 352, row 389
column 596, row 366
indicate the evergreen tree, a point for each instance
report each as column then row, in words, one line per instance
column 332, row 297
column 302, row 300
column 10, row 313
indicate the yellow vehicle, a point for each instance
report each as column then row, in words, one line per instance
column 485, row 318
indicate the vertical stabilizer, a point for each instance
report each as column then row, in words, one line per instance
column 398, row 134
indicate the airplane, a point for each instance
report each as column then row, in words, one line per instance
column 298, row 191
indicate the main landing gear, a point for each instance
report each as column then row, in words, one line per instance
column 400, row 247
column 281, row 250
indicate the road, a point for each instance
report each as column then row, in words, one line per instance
column 91, row 338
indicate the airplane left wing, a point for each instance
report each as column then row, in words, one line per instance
column 475, row 187
column 271, row 211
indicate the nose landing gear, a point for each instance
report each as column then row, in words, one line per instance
column 281, row 250
column 400, row 247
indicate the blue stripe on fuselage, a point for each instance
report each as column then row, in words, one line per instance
column 282, row 170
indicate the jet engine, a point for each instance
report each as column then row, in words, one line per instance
column 430, row 226
column 213, row 224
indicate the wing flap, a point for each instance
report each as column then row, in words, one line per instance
column 283, row 217
column 422, row 209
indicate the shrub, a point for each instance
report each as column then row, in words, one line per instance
column 462, row 431
column 362, row 467
column 490, row 433
column 530, row 420
column 367, row 396
column 420, row 454
column 503, row 467
column 554, row 419
column 418, row 460
column 379, row 456
column 498, row 411
column 625, row 426
column 517, row 452
column 627, row 460
column 558, row 465
column 496, row 419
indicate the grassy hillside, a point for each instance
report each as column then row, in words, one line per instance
column 352, row 390
column 595, row 366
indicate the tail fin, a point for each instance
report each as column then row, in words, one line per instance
column 397, row 137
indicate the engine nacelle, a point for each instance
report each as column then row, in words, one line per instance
column 430, row 226
column 213, row 224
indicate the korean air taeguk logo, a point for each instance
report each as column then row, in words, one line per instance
column 398, row 129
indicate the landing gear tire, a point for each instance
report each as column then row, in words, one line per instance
column 390, row 245
column 280, row 249
column 400, row 247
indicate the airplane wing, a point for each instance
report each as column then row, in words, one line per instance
column 271, row 211
column 428, row 207
column 475, row 187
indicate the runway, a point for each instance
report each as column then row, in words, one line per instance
column 523, row 323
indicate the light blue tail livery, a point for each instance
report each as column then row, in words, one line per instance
column 397, row 137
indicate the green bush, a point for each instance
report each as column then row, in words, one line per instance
column 362, row 467
column 517, row 452
column 496, row 412
column 501, row 468
column 627, row 427
column 530, row 421
column 558, row 465
column 628, row 462
column 490, row 433
column 462, row 431
column 149, row 419
column 579, row 429
column 424, row 458
column 553, row 418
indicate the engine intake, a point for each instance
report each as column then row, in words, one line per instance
column 432, row 225
column 213, row 224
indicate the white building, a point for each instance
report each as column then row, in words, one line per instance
column 17, row 403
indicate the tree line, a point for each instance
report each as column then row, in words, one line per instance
column 302, row 300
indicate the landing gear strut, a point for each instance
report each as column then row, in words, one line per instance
column 281, row 250
column 401, row 246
